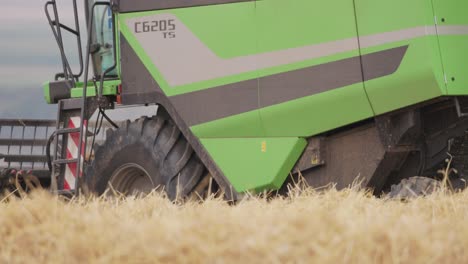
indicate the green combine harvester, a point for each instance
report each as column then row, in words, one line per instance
column 252, row 94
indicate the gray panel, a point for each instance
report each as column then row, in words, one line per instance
column 125, row 6
column 383, row 63
column 224, row 101
column 211, row 104
column 296, row 84
column 59, row 90
column 452, row 30
column 135, row 85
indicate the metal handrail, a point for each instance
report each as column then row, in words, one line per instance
column 56, row 27
column 82, row 147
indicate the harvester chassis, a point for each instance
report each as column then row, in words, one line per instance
column 378, row 153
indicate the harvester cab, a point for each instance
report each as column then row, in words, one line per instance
column 252, row 94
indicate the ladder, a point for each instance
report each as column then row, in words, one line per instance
column 56, row 27
column 66, row 159
column 72, row 133
column 73, row 114
column 65, row 164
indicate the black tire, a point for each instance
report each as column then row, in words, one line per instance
column 414, row 187
column 147, row 154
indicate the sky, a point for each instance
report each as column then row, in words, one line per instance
column 29, row 56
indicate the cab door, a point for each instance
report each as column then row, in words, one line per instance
column 451, row 18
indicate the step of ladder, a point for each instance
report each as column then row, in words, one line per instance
column 63, row 131
column 64, row 161
column 66, row 193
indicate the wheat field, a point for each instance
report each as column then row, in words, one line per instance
column 308, row 227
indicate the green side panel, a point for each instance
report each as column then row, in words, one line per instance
column 454, row 48
column 288, row 24
column 302, row 23
column 247, row 28
column 109, row 88
column 255, row 164
column 318, row 113
column 260, row 27
column 420, row 75
column 298, row 112
column 237, row 126
column 417, row 79
column 46, row 89
column 238, row 30
column 228, row 30
column 378, row 16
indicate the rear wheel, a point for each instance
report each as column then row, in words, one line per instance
column 144, row 155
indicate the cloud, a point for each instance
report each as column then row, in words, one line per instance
column 26, row 11
column 28, row 57
column 25, row 103
column 19, row 76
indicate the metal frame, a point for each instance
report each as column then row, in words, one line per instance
column 459, row 108
column 56, row 28
column 27, row 150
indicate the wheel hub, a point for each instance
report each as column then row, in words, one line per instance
column 131, row 179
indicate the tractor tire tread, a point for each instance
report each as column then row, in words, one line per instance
column 171, row 155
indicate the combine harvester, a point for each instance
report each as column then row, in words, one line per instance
column 251, row 92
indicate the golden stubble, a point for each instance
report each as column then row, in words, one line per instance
column 349, row 226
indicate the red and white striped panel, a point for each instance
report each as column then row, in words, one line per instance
column 72, row 153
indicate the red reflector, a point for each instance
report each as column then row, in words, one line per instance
column 119, row 92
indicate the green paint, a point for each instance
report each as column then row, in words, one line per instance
column 453, row 48
column 228, row 30
column 109, row 88
column 302, row 117
column 420, row 76
column 241, row 34
column 46, row 89
column 238, row 126
column 315, row 114
column 297, row 23
column 380, row 16
column 255, row 164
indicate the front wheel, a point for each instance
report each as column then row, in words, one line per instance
column 144, row 155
